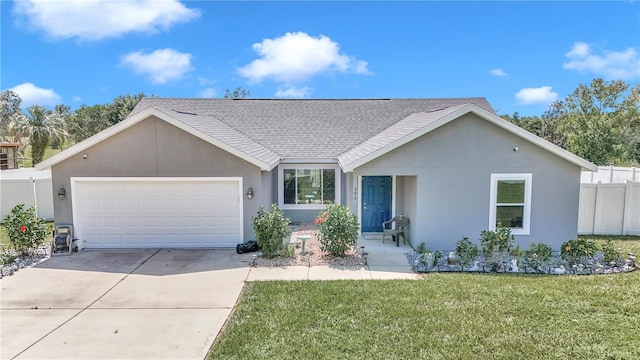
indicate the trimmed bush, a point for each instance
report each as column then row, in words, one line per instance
column 25, row 230
column 610, row 253
column 271, row 228
column 337, row 229
column 574, row 251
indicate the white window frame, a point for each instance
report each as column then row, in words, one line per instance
column 526, row 216
column 282, row 168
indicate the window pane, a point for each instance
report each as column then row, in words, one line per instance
column 510, row 192
column 509, row 216
column 328, row 186
column 309, row 182
column 289, row 186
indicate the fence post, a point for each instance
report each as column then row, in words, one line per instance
column 633, row 172
column 35, row 198
column 626, row 208
column 610, row 173
column 595, row 207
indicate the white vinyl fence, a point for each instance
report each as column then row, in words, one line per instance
column 611, row 174
column 26, row 186
column 609, row 209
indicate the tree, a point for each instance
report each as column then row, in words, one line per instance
column 9, row 108
column 40, row 125
column 122, row 106
column 238, row 93
column 532, row 124
column 63, row 112
column 549, row 126
column 87, row 121
column 630, row 110
column 594, row 123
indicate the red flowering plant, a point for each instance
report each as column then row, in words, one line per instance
column 25, row 230
column 337, row 229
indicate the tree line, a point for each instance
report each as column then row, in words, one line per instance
column 599, row 122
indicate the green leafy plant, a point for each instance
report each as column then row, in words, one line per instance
column 609, row 252
column 466, row 251
column 25, row 230
column 539, row 251
column 498, row 240
column 574, row 251
column 422, row 248
column 537, row 254
column 288, row 250
column 496, row 247
column 270, row 229
column 337, row 229
column 7, row 258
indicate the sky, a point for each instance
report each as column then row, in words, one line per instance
column 519, row 55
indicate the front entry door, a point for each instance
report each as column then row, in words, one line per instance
column 376, row 202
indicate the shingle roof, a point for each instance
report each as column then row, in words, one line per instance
column 309, row 129
column 351, row 132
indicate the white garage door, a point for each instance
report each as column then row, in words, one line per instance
column 157, row 212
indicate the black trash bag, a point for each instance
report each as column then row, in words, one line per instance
column 245, row 247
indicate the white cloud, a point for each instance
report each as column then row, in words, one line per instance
column 77, row 99
column 160, row 66
column 207, row 93
column 205, row 81
column 294, row 92
column 541, row 95
column 610, row 64
column 33, row 95
column 297, row 57
column 98, row 19
column 498, row 72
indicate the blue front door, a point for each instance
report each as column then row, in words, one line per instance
column 376, row 202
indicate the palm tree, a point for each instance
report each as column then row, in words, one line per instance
column 40, row 125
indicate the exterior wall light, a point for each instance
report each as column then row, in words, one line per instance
column 250, row 193
column 62, row 193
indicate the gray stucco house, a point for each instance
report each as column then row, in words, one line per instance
column 192, row 172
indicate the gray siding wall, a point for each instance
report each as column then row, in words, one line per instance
column 453, row 167
column 155, row 148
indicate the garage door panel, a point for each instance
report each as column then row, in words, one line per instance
column 157, row 213
column 111, row 222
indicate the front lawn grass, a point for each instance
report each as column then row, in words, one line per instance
column 442, row 316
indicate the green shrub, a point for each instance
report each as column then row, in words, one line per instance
column 270, row 229
column 573, row 251
column 539, row 251
column 498, row 240
column 537, row 254
column 25, row 230
column 422, row 248
column 466, row 251
column 609, row 252
column 288, row 250
column 337, row 229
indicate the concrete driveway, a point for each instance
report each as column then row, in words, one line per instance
column 147, row 304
